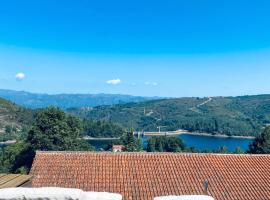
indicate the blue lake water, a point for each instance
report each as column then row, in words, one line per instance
column 213, row 143
column 197, row 141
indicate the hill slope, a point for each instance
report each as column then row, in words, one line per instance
column 244, row 115
column 14, row 116
column 32, row 100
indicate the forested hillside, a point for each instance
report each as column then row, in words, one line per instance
column 244, row 115
column 13, row 118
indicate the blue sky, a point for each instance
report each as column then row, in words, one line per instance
column 151, row 48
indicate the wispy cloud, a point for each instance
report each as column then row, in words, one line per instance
column 20, row 76
column 114, row 81
column 151, row 83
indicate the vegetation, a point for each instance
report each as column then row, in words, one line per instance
column 165, row 144
column 13, row 119
column 130, row 142
column 261, row 144
column 101, row 129
column 243, row 116
column 52, row 130
column 16, row 158
column 238, row 150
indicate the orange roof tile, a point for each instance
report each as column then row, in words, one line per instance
column 143, row 176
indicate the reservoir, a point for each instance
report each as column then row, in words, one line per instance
column 213, row 143
column 199, row 142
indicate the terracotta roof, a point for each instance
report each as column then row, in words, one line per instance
column 13, row 180
column 143, row 176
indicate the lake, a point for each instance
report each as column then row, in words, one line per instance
column 213, row 143
column 199, row 142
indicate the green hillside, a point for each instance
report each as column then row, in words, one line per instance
column 244, row 115
column 13, row 118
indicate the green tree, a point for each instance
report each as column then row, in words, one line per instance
column 101, row 129
column 238, row 150
column 222, row 149
column 165, row 144
column 54, row 130
column 151, row 145
column 16, row 158
column 261, row 144
column 8, row 129
column 131, row 143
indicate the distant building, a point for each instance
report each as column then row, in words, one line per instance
column 143, row 176
column 117, row 148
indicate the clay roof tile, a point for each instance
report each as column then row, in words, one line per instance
column 143, row 176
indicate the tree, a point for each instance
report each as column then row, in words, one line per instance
column 16, row 158
column 8, row 129
column 165, row 144
column 261, row 144
column 151, row 145
column 222, row 149
column 131, row 143
column 54, row 130
column 238, row 150
column 101, row 129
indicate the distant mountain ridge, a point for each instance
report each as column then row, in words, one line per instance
column 64, row 101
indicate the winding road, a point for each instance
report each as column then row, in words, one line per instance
column 205, row 102
column 195, row 108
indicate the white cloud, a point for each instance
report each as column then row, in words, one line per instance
column 147, row 83
column 151, row 83
column 20, row 76
column 114, row 81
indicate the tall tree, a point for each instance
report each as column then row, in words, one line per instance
column 131, row 143
column 54, row 130
column 238, row 150
column 261, row 144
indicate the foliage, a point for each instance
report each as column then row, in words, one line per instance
column 101, row 129
column 165, row 144
column 261, row 144
column 238, row 150
column 222, row 115
column 13, row 120
column 130, row 142
column 54, row 130
column 222, row 150
column 16, row 158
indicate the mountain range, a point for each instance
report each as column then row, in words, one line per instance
column 64, row 101
column 243, row 115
